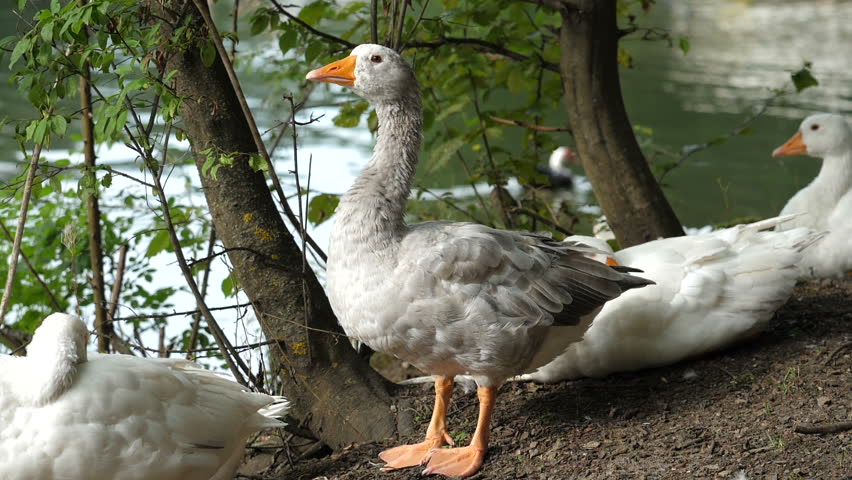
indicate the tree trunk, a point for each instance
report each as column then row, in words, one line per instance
column 630, row 196
column 337, row 393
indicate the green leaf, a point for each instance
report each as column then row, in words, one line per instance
column 159, row 243
column 322, row 207
column 40, row 130
column 288, row 40
column 22, row 4
column 257, row 163
column 683, row 43
column 441, row 155
column 313, row 51
column 107, row 180
column 208, row 54
column 258, row 24
column 228, row 286
column 624, row 57
column 350, row 114
column 803, row 78
column 47, row 31
column 58, row 124
column 312, row 12
column 19, row 50
column 516, row 80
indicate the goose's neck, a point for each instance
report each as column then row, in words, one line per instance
column 835, row 176
column 375, row 204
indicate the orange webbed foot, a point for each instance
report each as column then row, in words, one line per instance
column 406, row 456
column 455, row 462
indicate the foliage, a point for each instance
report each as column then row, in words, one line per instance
column 119, row 44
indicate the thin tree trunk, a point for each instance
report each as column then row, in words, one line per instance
column 103, row 326
column 342, row 399
column 630, row 196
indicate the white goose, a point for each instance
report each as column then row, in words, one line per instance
column 449, row 298
column 711, row 290
column 826, row 203
column 66, row 414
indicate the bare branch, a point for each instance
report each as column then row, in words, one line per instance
column 53, row 299
column 301, row 22
column 486, row 46
column 178, row 314
column 19, row 232
column 530, row 126
column 116, row 286
column 374, row 21
column 835, row 427
column 554, row 225
column 205, row 281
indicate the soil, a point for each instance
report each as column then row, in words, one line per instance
column 731, row 414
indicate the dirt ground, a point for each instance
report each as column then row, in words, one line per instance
column 731, row 414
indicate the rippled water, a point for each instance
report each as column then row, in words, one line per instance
column 739, row 50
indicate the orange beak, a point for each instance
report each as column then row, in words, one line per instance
column 794, row 146
column 341, row 72
column 611, row 262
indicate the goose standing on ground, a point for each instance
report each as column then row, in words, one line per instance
column 66, row 414
column 826, row 203
column 711, row 290
column 448, row 297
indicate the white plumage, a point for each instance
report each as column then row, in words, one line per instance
column 711, row 290
column 66, row 414
column 826, row 203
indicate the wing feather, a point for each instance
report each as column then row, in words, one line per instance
column 529, row 279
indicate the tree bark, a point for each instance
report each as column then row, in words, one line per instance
column 630, row 196
column 340, row 397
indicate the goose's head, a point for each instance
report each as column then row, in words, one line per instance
column 820, row 135
column 60, row 334
column 376, row 73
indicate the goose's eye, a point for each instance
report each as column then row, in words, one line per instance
column 376, row 59
column 815, row 127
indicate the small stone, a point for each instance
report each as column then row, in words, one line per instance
column 590, row 445
column 823, row 401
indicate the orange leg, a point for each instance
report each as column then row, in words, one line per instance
column 465, row 461
column 436, row 435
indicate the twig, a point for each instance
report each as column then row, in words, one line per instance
column 810, row 428
column 531, row 214
column 306, row 304
column 205, row 280
column 307, row 27
column 451, row 205
column 530, row 126
column 115, row 297
column 837, row 351
column 255, row 133
column 236, row 15
column 19, row 232
column 119, row 344
column 416, row 24
column 374, row 21
column 178, row 314
column 235, row 363
column 485, row 45
column 32, row 270
column 14, row 339
column 400, row 25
